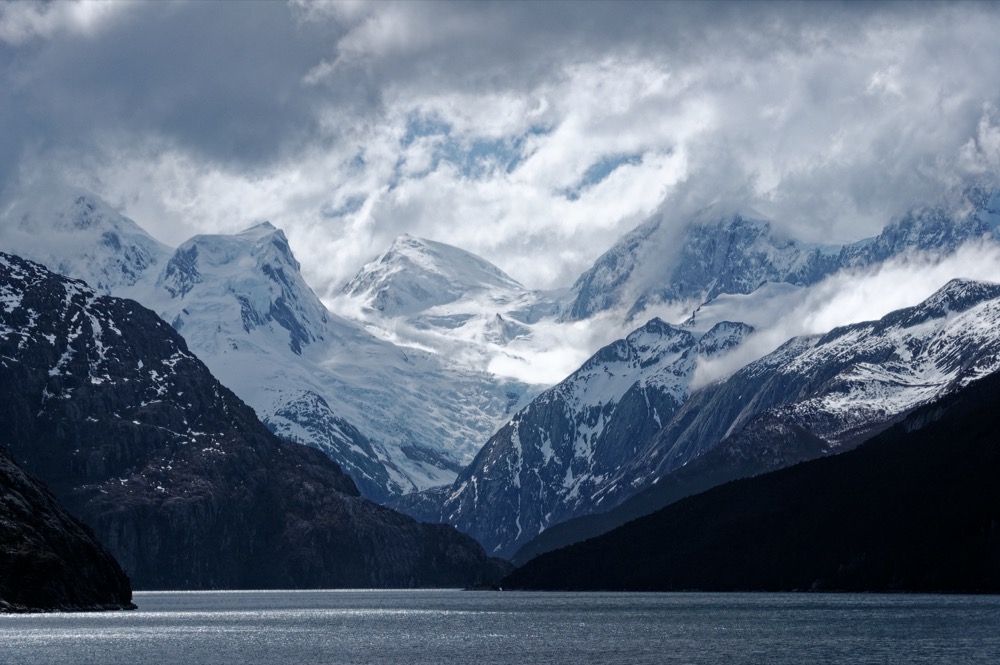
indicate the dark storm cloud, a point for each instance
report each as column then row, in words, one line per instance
column 222, row 79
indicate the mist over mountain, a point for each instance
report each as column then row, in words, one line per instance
column 524, row 270
column 736, row 253
column 814, row 396
column 406, row 383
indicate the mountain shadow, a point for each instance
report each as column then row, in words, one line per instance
column 49, row 560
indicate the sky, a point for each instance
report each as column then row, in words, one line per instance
column 531, row 133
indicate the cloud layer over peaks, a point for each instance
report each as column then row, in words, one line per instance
column 533, row 134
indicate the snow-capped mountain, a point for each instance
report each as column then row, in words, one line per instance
column 430, row 295
column 813, row 396
column 415, row 275
column 247, row 281
column 842, row 386
column 177, row 476
column 735, row 253
column 834, row 389
column 549, row 461
column 396, row 419
column 75, row 233
column 440, row 347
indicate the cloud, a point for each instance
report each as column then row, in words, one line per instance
column 24, row 21
column 534, row 134
column 780, row 312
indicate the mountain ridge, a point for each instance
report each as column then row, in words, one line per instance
column 176, row 475
column 915, row 509
column 734, row 253
column 813, row 395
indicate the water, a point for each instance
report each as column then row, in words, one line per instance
column 442, row 627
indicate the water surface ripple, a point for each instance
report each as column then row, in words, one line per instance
column 442, row 627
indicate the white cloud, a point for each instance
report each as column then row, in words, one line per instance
column 23, row 21
column 829, row 122
column 783, row 312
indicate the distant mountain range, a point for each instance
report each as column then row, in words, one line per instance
column 178, row 477
column 733, row 252
column 404, row 384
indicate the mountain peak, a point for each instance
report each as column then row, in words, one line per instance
column 264, row 228
column 415, row 274
column 959, row 295
column 253, row 276
column 74, row 232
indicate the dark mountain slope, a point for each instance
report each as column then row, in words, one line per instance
column 49, row 560
column 175, row 474
column 916, row 508
column 752, row 451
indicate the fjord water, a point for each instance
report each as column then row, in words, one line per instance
column 411, row 627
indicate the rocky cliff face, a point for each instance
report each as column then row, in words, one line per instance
column 49, row 560
column 175, row 474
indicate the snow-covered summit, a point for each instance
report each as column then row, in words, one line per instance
column 73, row 232
column 445, row 300
column 417, row 274
column 735, row 253
column 253, row 273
